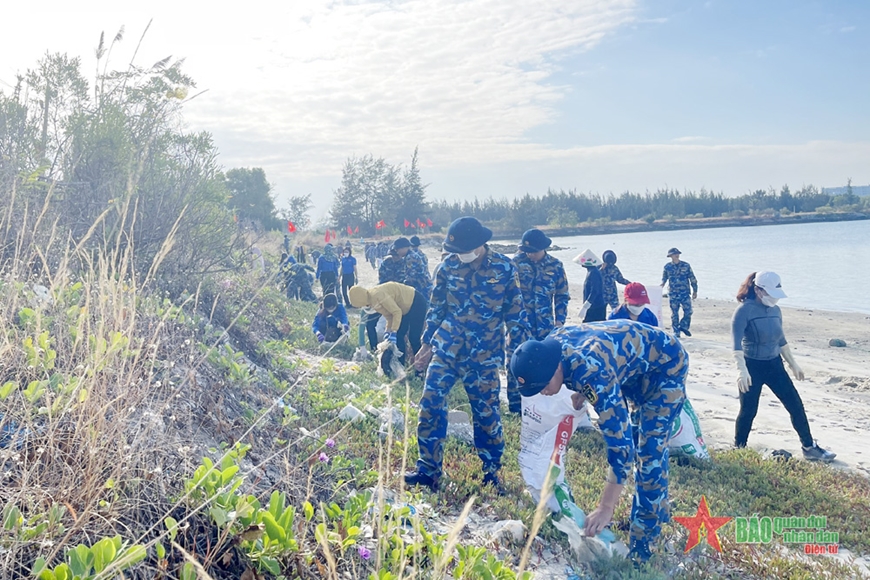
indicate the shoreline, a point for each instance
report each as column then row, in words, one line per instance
column 638, row 226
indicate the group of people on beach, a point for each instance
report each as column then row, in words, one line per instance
column 480, row 309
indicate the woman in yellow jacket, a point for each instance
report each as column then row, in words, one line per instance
column 404, row 309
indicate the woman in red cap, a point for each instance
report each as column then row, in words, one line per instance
column 634, row 307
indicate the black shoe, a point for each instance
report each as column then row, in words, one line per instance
column 492, row 479
column 413, row 478
column 686, row 332
column 816, row 453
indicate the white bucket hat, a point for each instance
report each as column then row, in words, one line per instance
column 770, row 283
column 588, row 259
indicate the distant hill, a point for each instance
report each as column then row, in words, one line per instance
column 856, row 189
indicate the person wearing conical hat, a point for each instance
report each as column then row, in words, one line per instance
column 594, row 307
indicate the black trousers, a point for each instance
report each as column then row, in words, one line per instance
column 771, row 373
column 347, row 280
column 327, row 282
column 596, row 314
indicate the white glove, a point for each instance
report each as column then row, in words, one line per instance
column 583, row 309
column 789, row 358
column 744, row 381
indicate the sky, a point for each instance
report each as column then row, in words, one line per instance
column 502, row 97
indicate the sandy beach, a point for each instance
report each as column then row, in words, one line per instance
column 836, row 392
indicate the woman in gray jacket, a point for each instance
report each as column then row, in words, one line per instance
column 759, row 349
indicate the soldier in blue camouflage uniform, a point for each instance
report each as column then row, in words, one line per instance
column 475, row 299
column 607, row 364
column 610, row 275
column 417, row 274
column 678, row 276
column 415, row 248
column 392, row 268
column 544, row 286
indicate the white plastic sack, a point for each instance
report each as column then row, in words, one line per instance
column 548, row 423
column 686, row 437
column 381, row 328
column 654, row 293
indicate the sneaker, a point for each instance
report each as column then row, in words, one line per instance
column 492, row 479
column 816, row 453
column 686, row 332
column 413, row 478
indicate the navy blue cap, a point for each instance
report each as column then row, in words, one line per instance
column 608, row 257
column 466, row 234
column 534, row 363
column 400, row 243
column 534, row 241
column 673, row 251
column 415, row 241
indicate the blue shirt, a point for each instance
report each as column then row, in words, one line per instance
column 324, row 320
column 646, row 316
column 348, row 263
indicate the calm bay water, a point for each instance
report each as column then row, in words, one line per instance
column 823, row 265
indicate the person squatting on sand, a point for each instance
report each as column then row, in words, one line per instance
column 610, row 364
column 635, row 306
column 759, row 349
column 679, row 276
column 544, row 287
column 475, row 303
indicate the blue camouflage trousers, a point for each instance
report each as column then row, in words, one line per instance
column 482, row 386
column 663, row 394
column 684, row 301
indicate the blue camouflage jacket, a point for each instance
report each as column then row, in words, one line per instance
column 679, row 276
column 544, row 286
column 610, row 275
column 417, row 274
column 392, row 269
column 422, row 255
column 470, row 308
column 605, row 361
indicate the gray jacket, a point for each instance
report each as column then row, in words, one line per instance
column 757, row 330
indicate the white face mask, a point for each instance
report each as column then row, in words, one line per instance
column 769, row 300
column 635, row 309
column 467, row 258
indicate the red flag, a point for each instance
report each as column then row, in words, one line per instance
column 407, row 223
column 334, row 235
column 326, row 237
column 356, row 230
column 413, row 226
column 419, row 223
column 349, row 231
column 291, row 227
column 429, row 222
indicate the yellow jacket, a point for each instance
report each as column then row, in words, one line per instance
column 392, row 300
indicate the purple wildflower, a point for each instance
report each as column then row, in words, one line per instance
column 364, row 552
column 330, row 443
column 323, row 457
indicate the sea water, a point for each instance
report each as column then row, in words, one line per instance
column 823, row 266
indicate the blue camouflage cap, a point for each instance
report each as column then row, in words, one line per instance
column 466, row 234
column 534, row 241
column 534, row 363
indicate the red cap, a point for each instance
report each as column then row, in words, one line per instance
column 635, row 293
